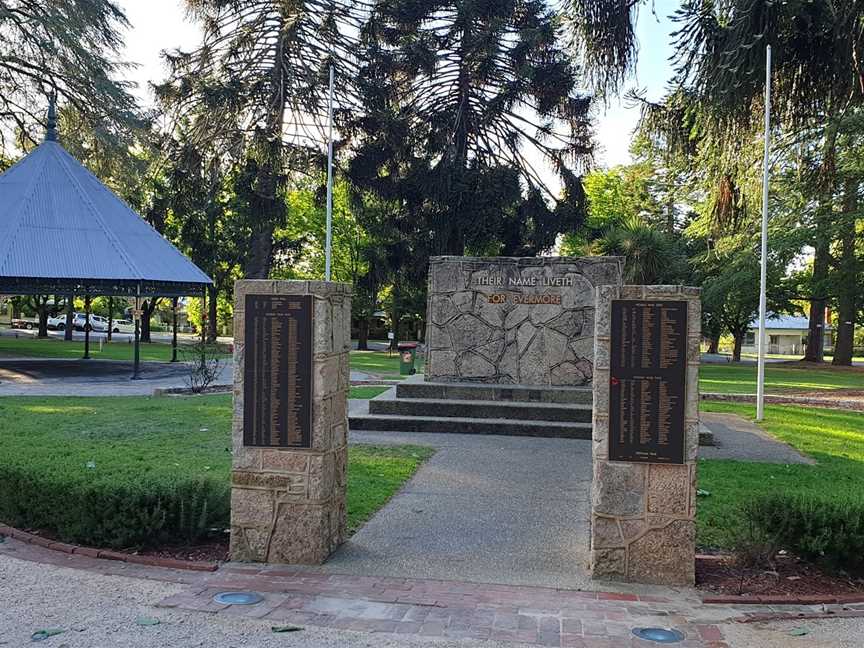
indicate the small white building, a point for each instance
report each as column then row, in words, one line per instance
column 786, row 335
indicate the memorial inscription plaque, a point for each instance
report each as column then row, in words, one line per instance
column 278, row 371
column 647, row 391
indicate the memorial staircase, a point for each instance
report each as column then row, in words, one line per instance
column 476, row 408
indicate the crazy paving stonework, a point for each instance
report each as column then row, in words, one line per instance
column 643, row 522
column 288, row 505
column 504, row 320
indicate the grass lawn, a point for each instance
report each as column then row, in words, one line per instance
column 834, row 438
column 53, row 348
column 365, row 393
column 380, row 363
column 779, row 378
column 97, row 446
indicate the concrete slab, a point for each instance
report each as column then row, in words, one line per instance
column 484, row 509
column 54, row 377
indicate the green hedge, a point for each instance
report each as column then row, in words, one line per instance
column 817, row 529
column 107, row 512
column 116, row 472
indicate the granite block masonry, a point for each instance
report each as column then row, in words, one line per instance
column 504, row 320
column 645, row 434
column 291, row 382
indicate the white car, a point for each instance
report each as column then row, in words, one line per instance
column 123, row 326
column 57, row 322
column 97, row 322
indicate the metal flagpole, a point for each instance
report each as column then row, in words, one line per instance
column 328, row 249
column 763, row 286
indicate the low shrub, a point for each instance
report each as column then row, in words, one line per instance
column 136, row 472
column 116, row 472
column 826, row 531
column 80, row 506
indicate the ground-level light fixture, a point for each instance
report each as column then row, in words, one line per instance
column 659, row 635
column 238, row 598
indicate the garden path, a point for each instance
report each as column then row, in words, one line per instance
column 742, row 440
column 492, row 509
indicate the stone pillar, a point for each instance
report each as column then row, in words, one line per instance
column 643, row 512
column 288, row 497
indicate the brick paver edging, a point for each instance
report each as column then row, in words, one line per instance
column 542, row 616
column 106, row 554
column 792, row 599
column 759, row 617
column 449, row 609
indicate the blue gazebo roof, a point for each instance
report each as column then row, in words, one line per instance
column 62, row 231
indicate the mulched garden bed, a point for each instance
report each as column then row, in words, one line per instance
column 791, row 577
column 216, row 551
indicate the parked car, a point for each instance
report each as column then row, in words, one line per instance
column 57, row 322
column 97, row 322
column 123, row 326
column 23, row 324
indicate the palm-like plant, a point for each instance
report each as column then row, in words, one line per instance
column 651, row 256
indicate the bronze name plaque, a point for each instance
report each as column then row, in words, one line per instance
column 277, row 387
column 648, row 381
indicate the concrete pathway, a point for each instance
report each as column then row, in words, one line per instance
column 43, row 377
column 742, row 440
column 484, row 508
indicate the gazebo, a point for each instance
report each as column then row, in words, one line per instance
column 63, row 232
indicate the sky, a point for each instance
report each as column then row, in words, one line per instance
column 158, row 25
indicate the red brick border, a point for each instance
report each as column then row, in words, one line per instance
column 802, row 616
column 802, row 599
column 106, row 554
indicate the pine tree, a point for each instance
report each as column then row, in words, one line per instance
column 67, row 47
column 464, row 101
column 257, row 86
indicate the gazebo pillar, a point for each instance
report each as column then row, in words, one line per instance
column 204, row 316
column 70, row 310
column 110, row 317
column 86, row 327
column 174, row 332
column 136, row 316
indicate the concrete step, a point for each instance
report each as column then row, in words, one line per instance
column 455, row 425
column 482, row 409
column 497, row 393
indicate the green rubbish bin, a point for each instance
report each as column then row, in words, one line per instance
column 407, row 355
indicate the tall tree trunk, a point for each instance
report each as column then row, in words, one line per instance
column 260, row 259
column 395, row 317
column 42, row 315
column 739, row 342
column 847, row 284
column 815, row 351
column 213, row 324
column 148, row 307
column 363, row 333
column 714, row 345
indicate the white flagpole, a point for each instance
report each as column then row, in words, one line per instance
column 763, row 286
column 328, row 248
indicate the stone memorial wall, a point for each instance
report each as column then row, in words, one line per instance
column 645, row 434
column 527, row 321
column 291, row 381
